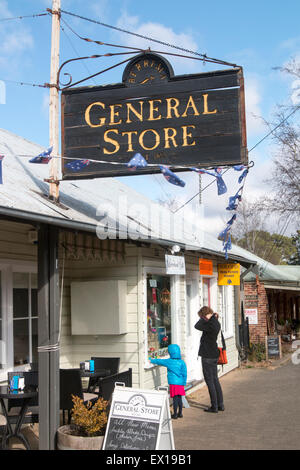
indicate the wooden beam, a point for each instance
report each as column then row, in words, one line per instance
column 48, row 331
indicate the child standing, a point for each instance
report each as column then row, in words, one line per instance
column 177, row 373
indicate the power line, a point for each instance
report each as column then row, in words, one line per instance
column 24, row 16
column 203, row 56
column 46, row 85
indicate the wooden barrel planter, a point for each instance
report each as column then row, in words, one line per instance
column 67, row 440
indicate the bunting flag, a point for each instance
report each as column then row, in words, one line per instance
column 227, row 246
column 137, row 161
column 1, row 158
column 243, row 175
column 77, row 165
column 239, row 167
column 43, row 157
column 171, row 177
column 222, row 188
column 232, row 206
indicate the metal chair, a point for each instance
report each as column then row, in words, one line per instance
column 110, row 363
column 70, row 384
column 107, row 384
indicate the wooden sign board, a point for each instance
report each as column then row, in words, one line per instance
column 205, row 267
column 139, row 420
column 190, row 120
column 273, row 347
column 229, row 274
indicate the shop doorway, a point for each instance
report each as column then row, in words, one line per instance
column 192, row 335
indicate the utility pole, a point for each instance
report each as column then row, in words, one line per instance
column 54, row 103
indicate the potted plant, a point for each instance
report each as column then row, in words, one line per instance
column 86, row 432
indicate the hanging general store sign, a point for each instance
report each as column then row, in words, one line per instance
column 190, row 120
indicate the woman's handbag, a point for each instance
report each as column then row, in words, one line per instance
column 222, row 352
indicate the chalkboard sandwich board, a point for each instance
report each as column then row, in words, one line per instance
column 273, row 347
column 139, row 420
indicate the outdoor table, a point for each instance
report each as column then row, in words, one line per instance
column 24, row 396
column 97, row 374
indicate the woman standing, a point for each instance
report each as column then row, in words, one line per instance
column 209, row 352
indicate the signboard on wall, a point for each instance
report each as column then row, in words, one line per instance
column 139, row 420
column 191, row 120
column 251, row 314
column 229, row 274
column 175, row 264
column 205, row 267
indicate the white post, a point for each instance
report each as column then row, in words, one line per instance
column 54, row 102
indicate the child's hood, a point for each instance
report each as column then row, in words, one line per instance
column 174, row 351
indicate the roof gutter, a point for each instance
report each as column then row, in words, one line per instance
column 32, row 217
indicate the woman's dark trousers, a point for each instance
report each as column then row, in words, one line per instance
column 210, row 372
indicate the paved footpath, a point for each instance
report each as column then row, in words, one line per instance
column 262, row 411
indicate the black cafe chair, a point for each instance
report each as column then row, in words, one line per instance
column 70, row 384
column 111, row 364
column 107, row 384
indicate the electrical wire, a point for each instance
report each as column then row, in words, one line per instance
column 46, row 85
column 22, row 17
column 203, row 56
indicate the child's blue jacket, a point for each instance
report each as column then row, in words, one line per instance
column 177, row 371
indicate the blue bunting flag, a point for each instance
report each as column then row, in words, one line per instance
column 232, row 206
column 137, row 161
column 239, row 167
column 243, row 175
column 77, row 165
column 43, row 157
column 171, row 177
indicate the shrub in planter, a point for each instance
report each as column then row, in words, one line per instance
column 88, row 426
column 257, row 352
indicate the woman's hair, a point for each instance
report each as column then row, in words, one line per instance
column 204, row 311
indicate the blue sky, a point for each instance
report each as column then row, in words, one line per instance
column 259, row 35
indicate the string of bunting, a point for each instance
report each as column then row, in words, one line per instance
column 138, row 161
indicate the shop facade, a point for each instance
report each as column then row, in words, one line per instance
column 160, row 308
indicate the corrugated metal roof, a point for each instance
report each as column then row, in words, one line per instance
column 24, row 190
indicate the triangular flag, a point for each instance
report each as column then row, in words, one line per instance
column 239, row 167
column 137, row 161
column 243, row 175
column 171, row 177
column 43, row 157
column 77, row 165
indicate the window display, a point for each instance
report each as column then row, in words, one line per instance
column 158, row 315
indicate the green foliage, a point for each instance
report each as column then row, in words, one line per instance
column 257, row 352
column 275, row 248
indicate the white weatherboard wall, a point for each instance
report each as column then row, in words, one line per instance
column 99, row 307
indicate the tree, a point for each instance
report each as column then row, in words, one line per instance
column 285, row 178
column 295, row 257
column 249, row 232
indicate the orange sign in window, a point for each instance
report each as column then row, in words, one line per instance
column 205, row 267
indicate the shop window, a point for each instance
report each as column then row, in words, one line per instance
column 158, row 315
column 25, row 318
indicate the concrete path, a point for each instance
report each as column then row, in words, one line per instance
column 262, row 411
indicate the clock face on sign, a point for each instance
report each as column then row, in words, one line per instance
column 147, row 69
